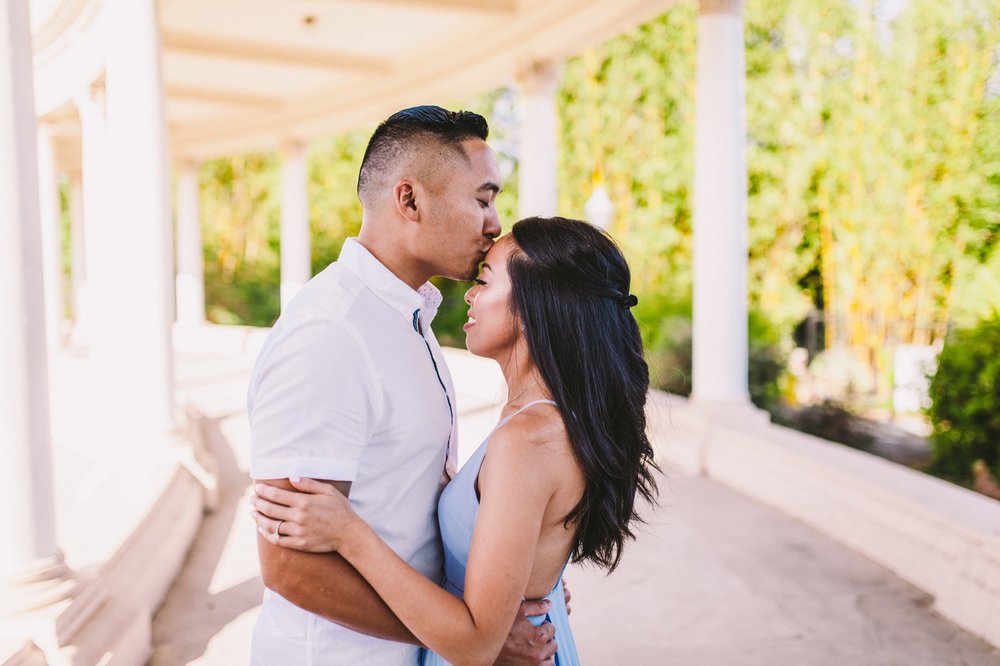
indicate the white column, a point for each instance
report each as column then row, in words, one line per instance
column 720, row 345
column 32, row 573
column 536, row 180
column 48, row 192
column 78, row 264
column 296, row 261
column 94, row 219
column 190, row 260
column 135, row 277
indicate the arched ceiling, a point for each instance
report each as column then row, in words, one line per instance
column 248, row 74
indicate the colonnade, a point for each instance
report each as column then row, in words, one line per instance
column 127, row 291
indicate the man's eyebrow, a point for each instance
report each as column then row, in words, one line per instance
column 491, row 186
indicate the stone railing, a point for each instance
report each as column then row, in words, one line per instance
column 940, row 537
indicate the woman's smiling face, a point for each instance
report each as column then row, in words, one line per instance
column 492, row 329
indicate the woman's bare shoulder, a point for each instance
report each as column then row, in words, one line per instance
column 538, row 435
column 533, row 457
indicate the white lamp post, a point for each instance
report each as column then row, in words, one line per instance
column 599, row 208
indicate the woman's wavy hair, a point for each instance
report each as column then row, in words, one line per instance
column 570, row 291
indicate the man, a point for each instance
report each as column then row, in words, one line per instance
column 351, row 388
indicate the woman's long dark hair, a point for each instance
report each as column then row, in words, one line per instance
column 570, row 285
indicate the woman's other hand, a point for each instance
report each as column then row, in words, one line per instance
column 315, row 517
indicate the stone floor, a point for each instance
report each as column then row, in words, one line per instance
column 714, row 578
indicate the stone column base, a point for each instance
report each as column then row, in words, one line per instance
column 44, row 584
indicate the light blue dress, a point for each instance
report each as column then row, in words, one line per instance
column 457, row 511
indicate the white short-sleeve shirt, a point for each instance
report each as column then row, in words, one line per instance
column 351, row 385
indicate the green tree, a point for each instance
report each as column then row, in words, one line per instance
column 965, row 402
column 626, row 112
column 901, row 187
column 873, row 159
column 240, row 210
column 334, row 209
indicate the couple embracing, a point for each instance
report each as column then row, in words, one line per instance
column 374, row 548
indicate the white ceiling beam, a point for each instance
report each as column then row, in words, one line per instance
column 219, row 47
column 226, row 97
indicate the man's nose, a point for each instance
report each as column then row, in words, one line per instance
column 492, row 228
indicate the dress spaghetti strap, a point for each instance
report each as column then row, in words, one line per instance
column 504, row 420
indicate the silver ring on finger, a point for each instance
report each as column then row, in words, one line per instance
column 277, row 530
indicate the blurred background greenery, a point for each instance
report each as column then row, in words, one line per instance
column 874, row 200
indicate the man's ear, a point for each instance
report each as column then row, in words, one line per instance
column 405, row 198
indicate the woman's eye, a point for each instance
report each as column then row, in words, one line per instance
column 479, row 282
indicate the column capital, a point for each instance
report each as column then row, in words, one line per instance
column 732, row 7
column 90, row 97
column 95, row 90
column 187, row 164
column 292, row 146
column 539, row 76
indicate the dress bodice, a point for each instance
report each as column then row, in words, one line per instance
column 457, row 511
column 458, row 508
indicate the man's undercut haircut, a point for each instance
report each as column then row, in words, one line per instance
column 406, row 129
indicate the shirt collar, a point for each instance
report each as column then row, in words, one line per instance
column 417, row 308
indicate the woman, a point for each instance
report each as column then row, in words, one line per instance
column 556, row 480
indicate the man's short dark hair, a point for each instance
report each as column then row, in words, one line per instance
column 403, row 129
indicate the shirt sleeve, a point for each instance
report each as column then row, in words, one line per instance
column 315, row 403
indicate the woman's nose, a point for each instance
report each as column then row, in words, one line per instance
column 468, row 294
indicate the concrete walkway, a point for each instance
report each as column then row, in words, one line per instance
column 714, row 578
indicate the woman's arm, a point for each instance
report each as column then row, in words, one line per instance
column 345, row 597
column 515, row 492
